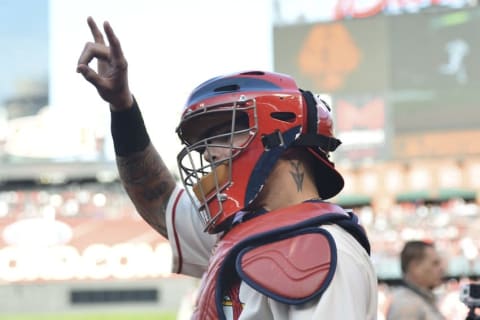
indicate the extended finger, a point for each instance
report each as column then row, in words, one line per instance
column 113, row 41
column 97, row 35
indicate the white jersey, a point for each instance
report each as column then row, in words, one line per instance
column 352, row 294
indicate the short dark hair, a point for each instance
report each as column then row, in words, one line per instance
column 413, row 251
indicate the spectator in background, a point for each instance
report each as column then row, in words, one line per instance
column 423, row 271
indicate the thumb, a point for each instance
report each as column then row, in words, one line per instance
column 88, row 73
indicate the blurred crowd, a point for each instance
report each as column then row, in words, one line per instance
column 108, row 201
column 452, row 225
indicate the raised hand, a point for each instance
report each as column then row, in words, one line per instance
column 111, row 79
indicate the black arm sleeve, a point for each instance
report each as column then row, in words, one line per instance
column 128, row 131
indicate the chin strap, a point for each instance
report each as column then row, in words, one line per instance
column 326, row 144
column 275, row 145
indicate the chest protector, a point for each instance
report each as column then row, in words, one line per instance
column 282, row 254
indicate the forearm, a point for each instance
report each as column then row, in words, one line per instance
column 145, row 177
column 149, row 185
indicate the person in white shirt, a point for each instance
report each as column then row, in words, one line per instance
column 251, row 218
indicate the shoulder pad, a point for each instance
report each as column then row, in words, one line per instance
column 291, row 269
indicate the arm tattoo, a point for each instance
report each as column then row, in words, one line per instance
column 297, row 174
column 149, row 184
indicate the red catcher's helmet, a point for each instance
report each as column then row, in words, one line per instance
column 275, row 114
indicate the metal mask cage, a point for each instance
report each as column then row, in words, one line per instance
column 206, row 178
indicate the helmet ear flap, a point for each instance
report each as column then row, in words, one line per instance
column 319, row 140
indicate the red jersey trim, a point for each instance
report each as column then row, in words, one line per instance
column 177, row 242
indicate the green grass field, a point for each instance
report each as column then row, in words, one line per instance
column 95, row 316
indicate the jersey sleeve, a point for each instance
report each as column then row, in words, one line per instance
column 191, row 246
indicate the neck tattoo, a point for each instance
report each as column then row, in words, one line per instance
column 297, row 174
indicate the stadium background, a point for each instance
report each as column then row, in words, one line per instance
column 402, row 77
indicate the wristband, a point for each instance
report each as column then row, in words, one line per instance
column 128, row 131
